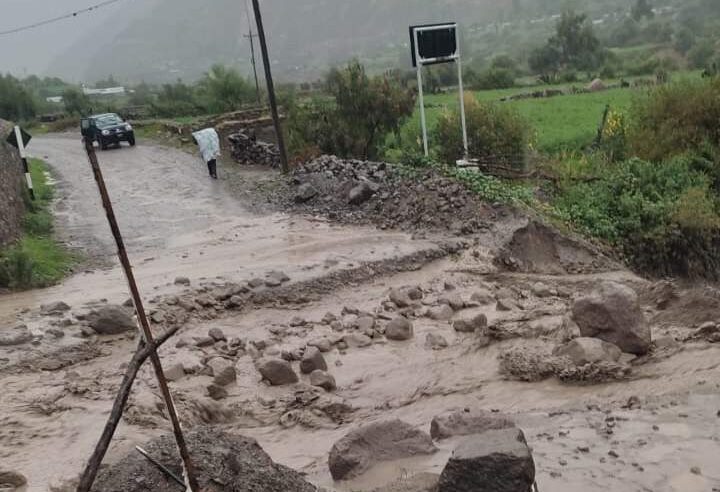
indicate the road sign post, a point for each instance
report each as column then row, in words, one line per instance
column 433, row 44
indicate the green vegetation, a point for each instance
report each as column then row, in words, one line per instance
column 356, row 122
column 37, row 260
column 497, row 136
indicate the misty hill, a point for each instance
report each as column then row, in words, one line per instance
column 170, row 39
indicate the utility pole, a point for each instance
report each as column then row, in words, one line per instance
column 271, row 87
column 251, row 37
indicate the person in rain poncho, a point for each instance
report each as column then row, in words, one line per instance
column 209, row 143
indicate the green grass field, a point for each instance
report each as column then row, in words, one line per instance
column 561, row 122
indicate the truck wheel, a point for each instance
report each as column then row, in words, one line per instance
column 131, row 141
column 103, row 145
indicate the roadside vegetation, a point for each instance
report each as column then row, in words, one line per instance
column 37, row 259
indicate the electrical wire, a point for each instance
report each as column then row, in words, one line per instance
column 60, row 18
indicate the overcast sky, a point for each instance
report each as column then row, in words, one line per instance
column 32, row 51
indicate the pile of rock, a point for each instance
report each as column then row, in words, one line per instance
column 247, row 150
column 363, row 192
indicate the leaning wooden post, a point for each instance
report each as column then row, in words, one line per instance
column 191, row 481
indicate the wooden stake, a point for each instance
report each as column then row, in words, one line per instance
column 144, row 324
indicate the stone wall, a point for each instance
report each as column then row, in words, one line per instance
column 12, row 183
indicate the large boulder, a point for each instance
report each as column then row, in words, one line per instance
column 466, row 422
column 17, row 336
column 277, row 371
column 588, row 350
column 612, row 313
column 360, row 194
column 376, row 443
column 222, row 462
column 312, row 360
column 399, row 329
column 111, row 320
column 495, row 461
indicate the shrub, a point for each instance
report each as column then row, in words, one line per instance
column 676, row 118
column 357, row 121
column 662, row 216
column 493, row 78
column 497, row 135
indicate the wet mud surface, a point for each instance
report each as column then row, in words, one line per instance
column 656, row 429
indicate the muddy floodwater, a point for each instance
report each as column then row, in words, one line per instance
column 655, row 429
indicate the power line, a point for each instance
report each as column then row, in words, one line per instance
column 60, row 18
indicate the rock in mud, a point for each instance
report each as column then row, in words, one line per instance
column 323, row 344
column 223, row 371
column 399, row 329
column 217, row 392
column 378, row 442
column 11, row 480
column 365, row 324
column 312, row 360
column 357, row 340
column 466, row 422
column 435, row 342
column 588, row 350
column 222, row 461
column 495, row 461
column 182, row 281
column 454, row 300
column 297, row 321
column 483, row 297
column 277, row 371
column 400, row 297
column 276, row 279
column 18, row 336
column 175, row 372
column 612, row 313
column 442, row 312
column 539, row 289
column 217, row 335
column 111, row 320
column 360, row 194
column 305, row 193
column 323, row 380
column 478, row 322
column 54, row 308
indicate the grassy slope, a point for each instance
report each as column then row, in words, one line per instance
column 37, row 260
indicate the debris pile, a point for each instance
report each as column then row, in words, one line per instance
column 248, row 150
column 363, row 192
column 222, row 461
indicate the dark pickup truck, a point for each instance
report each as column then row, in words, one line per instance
column 107, row 129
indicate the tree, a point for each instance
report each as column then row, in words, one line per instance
column 16, row 103
column 76, row 102
column 369, row 108
column 574, row 45
column 224, row 89
column 642, row 8
column 684, row 40
column 546, row 62
column 364, row 111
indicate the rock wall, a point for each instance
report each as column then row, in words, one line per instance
column 12, row 206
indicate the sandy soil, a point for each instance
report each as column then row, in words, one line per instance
column 178, row 222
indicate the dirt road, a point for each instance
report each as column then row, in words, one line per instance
column 584, row 436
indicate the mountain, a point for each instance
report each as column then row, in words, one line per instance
column 171, row 39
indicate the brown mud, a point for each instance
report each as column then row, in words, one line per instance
column 656, row 429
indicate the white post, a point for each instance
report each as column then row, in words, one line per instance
column 462, row 105
column 26, row 169
column 423, row 122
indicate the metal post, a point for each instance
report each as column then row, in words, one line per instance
column 271, row 88
column 26, row 168
column 191, row 481
column 423, row 121
column 462, row 102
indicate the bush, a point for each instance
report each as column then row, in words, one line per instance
column 497, row 135
column 16, row 103
column 493, row 78
column 674, row 119
column 358, row 119
column 662, row 216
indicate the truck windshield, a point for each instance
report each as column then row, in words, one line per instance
column 108, row 120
